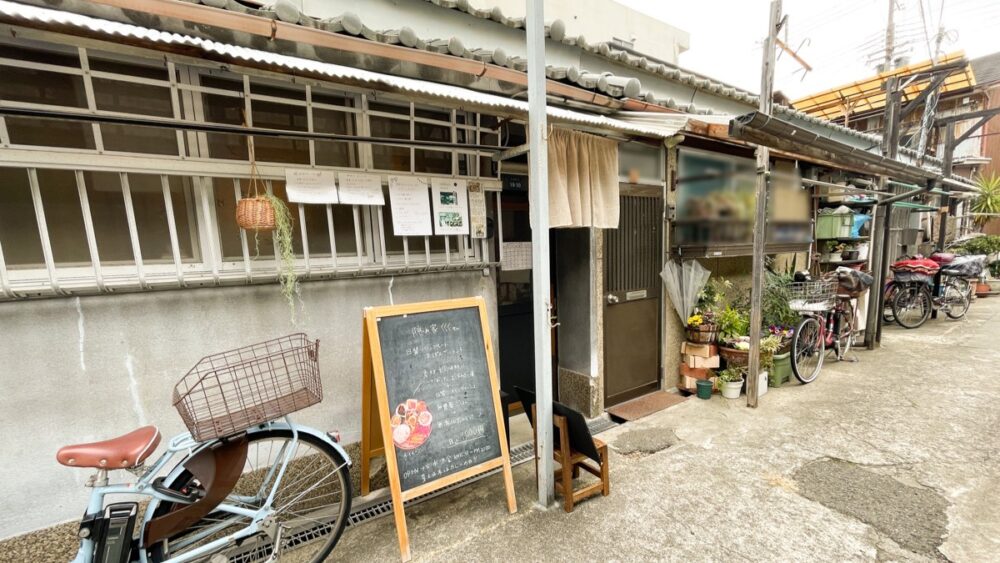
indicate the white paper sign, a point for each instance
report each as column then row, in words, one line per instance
column 304, row 185
column 477, row 209
column 516, row 256
column 411, row 208
column 451, row 207
column 357, row 188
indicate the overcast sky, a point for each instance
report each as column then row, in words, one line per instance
column 840, row 36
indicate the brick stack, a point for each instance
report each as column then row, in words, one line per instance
column 697, row 362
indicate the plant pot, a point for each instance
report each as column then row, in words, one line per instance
column 781, row 370
column 731, row 389
column 706, row 333
column 704, row 389
column 735, row 357
column 982, row 289
column 255, row 214
column 835, row 257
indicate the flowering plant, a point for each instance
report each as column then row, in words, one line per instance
column 781, row 331
column 695, row 320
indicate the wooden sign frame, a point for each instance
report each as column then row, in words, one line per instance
column 375, row 425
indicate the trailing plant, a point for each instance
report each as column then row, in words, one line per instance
column 988, row 199
column 287, row 278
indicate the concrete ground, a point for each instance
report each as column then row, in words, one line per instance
column 890, row 458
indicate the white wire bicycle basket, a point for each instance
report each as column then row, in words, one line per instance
column 812, row 296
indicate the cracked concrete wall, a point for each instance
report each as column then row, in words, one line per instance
column 84, row 369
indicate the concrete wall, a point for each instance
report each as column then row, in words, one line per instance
column 580, row 310
column 83, row 369
column 587, row 18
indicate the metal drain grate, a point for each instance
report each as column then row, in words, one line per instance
column 521, row 453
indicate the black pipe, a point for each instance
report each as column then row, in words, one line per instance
column 236, row 129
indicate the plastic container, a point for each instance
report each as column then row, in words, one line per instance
column 836, row 225
column 781, row 369
column 705, row 389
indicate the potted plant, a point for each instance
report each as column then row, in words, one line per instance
column 731, row 381
column 261, row 212
column 701, row 328
column 734, row 343
column 849, row 252
column 836, row 253
column 828, row 247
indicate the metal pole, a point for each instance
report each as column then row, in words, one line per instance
column 949, row 152
column 760, row 217
column 538, row 183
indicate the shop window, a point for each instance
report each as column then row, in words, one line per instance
column 22, row 246
column 432, row 162
column 107, row 209
column 318, row 232
column 335, row 153
column 226, row 109
column 64, row 217
column 151, row 217
column 271, row 115
column 139, row 139
column 431, row 132
column 389, row 157
column 50, row 132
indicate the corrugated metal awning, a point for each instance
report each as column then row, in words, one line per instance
column 42, row 17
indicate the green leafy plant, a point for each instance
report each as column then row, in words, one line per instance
column 732, row 374
column 768, row 346
column 994, row 268
column 774, row 301
column 988, row 199
column 733, row 323
column 987, row 244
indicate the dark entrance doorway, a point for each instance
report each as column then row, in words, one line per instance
column 632, row 288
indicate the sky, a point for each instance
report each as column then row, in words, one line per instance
column 836, row 37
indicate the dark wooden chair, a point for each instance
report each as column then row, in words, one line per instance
column 575, row 449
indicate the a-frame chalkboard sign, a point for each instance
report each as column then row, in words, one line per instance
column 430, row 391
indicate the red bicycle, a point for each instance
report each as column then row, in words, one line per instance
column 828, row 323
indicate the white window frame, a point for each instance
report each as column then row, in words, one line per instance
column 193, row 161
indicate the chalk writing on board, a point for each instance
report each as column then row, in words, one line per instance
column 439, row 393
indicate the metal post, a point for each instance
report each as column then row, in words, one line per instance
column 760, row 217
column 949, row 151
column 538, row 183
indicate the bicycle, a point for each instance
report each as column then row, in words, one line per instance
column 250, row 485
column 913, row 302
column 827, row 321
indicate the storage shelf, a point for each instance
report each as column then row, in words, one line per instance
column 845, row 238
column 847, row 203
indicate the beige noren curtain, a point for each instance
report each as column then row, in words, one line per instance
column 583, row 180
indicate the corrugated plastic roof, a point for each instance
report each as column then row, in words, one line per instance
column 868, row 94
column 444, row 91
column 986, row 69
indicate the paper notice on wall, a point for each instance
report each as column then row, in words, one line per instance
column 357, row 188
column 411, row 208
column 477, row 210
column 305, row 185
column 516, row 256
column 451, row 207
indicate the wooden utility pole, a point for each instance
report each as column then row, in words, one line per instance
column 538, row 185
column 760, row 217
column 890, row 148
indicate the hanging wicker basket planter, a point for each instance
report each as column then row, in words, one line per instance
column 255, row 214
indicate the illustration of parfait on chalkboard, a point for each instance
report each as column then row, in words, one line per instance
column 411, row 424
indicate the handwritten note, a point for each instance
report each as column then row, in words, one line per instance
column 411, row 206
column 477, row 209
column 435, row 367
column 357, row 188
column 305, row 185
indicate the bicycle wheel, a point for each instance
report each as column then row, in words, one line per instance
column 808, row 349
column 912, row 305
column 890, row 294
column 311, row 504
column 956, row 301
column 843, row 325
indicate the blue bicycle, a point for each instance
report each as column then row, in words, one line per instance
column 250, row 484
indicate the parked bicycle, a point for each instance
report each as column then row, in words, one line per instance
column 827, row 323
column 250, row 484
column 913, row 299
